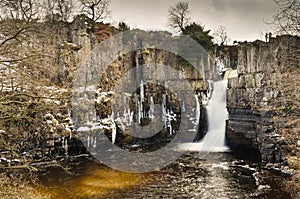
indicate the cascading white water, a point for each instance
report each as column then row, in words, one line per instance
column 214, row 140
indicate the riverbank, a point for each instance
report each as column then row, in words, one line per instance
column 19, row 187
column 73, row 177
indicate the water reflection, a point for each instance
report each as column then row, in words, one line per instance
column 218, row 175
column 94, row 181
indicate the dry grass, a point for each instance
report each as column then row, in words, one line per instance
column 18, row 188
column 293, row 185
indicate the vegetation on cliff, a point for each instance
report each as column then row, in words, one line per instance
column 39, row 53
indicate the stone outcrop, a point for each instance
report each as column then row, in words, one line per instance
column 71, row 43
column 256, row 96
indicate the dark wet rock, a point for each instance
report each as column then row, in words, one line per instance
column 251, row 96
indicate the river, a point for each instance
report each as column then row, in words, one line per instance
column 216, row 175
column 216, row 172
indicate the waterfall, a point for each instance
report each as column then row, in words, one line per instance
column 214, row 140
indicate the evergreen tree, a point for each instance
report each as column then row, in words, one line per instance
column 197, row 32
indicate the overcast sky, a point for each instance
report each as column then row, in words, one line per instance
column 244, row 19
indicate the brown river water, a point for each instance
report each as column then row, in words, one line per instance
column 217, row 175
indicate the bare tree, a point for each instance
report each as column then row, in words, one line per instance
column 48, row 7
column 287, row 18
column 17, row 17
column 58, row 9
column 27, row 76
column 221, row 35
column 179, row 15
column 95, row 9
column 64, row 8
column 21, row 9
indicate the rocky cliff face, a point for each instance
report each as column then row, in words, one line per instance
column 152, row 92
column 260, row 100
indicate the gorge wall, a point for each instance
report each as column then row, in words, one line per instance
column 53, row 132
column 262, row 99
column 141, row 100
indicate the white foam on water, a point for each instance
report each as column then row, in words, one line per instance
column 214, row 140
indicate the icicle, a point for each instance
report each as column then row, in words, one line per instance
column 139, row 113
column 164, row 117
column 123, row 126
column 141, row 102
column 170, row 126
column 125, row 116
column 112, row 116
column 94, row 116
column 69, row 113
column 128, row 118
column 66, row 146
column 151, row 111
column 88, row 141
column 210, row 88
column 142, row 93
column 183, row 107
column 114, row 132
column 95, row 141
column 197, row 115
column 131, row 117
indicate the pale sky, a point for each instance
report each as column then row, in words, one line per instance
column 244, row 19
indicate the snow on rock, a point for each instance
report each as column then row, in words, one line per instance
column 104, row 96
column 83, row 129
column 66, row 125
column 72, row 46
